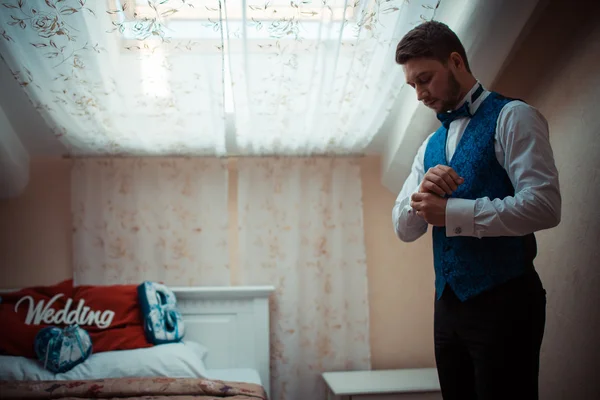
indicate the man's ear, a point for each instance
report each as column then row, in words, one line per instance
column 456, row 61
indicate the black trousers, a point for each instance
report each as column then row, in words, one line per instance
column 488, row 347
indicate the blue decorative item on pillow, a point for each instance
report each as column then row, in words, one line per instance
column 163, row 322
column 62, row 349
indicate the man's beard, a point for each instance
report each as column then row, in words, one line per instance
column 452, row 94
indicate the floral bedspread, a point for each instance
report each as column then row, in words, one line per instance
column 132, row 388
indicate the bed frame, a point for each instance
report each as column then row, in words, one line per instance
column 232, row 322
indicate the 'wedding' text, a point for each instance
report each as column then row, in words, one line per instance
column 82, row 315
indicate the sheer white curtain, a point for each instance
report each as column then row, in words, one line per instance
column 158, row 77
column 315, row 77
column 154, row 219
column 119, row 77
column 301, row 229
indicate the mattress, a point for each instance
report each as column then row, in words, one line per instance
column 244, row 375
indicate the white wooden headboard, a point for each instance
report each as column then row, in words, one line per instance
column 232, row 322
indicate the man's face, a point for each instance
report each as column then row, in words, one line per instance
column 434, row 82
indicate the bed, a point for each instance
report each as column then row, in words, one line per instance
column 224, row 354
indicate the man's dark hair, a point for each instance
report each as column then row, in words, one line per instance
column 431, row 39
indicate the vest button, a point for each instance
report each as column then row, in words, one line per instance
column 458, row 230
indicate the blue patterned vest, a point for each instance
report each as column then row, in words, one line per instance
column 471, row 265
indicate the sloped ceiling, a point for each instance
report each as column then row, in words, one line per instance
column 489, row 30
column 14, row 160
column 23, row 134
column 30, row 127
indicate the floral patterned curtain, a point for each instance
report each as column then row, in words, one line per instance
column 158, row 219
column 316, row 77
column 119, row 77
column 301, row 229
column 141, row 77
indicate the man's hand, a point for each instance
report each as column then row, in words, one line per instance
column 440, row 180
column 431, row 207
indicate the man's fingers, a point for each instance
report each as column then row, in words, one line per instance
column 443, row 180
column 418, row 196
column 431, row 187
column 418, row 201
column 416, row 205
column 452, row 173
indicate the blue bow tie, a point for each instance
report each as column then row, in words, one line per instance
column 446, row 118
column 463, row 111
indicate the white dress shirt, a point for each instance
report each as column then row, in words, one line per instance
column 523, row 149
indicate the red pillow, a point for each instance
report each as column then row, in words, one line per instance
column 23, row 313
column 115, row 321
column 110, row 314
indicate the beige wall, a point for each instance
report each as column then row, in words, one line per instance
column 35, row 228
column 400, row 282
column 563, row 51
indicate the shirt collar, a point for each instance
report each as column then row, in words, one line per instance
column 473, row 106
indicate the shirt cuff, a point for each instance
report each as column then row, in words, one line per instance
column 460, row 217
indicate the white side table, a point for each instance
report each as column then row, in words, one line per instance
column 354, row 384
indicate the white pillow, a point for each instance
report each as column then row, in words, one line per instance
column 14, row 368
column 177, row 360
